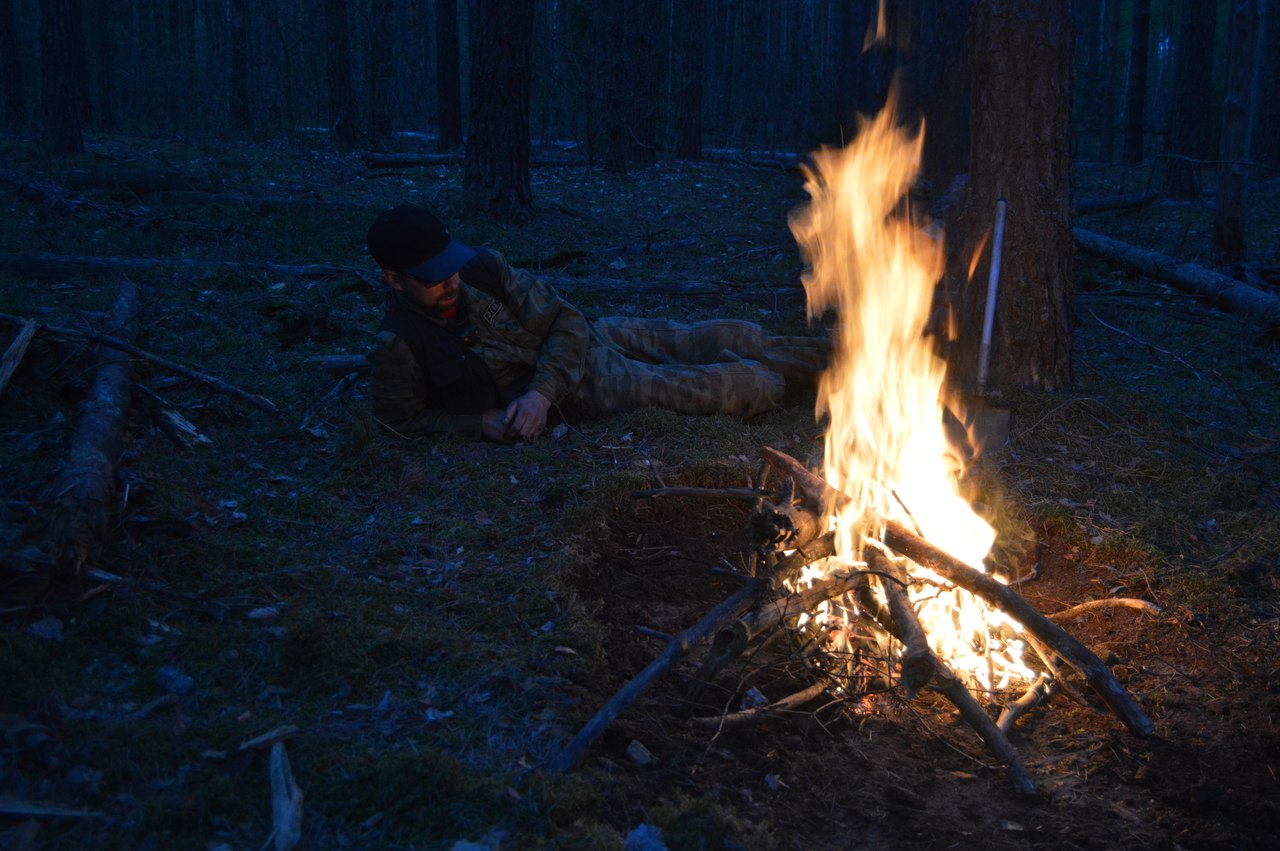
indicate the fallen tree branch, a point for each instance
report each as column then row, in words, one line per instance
column 286, row 801
column 260, row 402
column 38, row 264
column 757, row 714
column 1223, row 290
column 14, row 354
column 678, row 646
column 83, row 493
column 1108, row 603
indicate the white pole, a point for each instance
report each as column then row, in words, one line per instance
column 993, row 286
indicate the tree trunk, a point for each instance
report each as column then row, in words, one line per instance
column 241, row 82
column 1228, row 222
column 644, row 55
column 11, row 80
column 1020, row 54
column 1110, row 15
column 103, row 15
column 611, row 68
column 344, row 122
column 60, row 98
column 382, row 55
column 687, row 26
column 1136, row 90
column 1192, row 86
column 448, row 77
column 496, row 176
column 944, row 94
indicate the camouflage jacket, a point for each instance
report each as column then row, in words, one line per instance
column 530, row 339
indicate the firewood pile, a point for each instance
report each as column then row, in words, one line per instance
column 814, row 631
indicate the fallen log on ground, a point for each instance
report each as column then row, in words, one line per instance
column 140, row 182
column 38, row 264
column 1222, row 290
column 217, row 384
column 1118, row 202
column 83, row 495
column 14, row 353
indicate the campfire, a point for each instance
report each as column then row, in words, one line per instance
column 875, row 571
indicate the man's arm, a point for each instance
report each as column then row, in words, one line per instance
column 541, row 311
column 400, row 398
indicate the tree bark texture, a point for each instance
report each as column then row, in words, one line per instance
column 1192, row 89
column 496, row 176
column 1135, row 118
column 1110, row 15
column 611, row 69
column 448, row 77
column 1020, row 56
column 1233, row 150
column 61, row 100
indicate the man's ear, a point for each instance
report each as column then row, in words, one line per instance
column 392, row 279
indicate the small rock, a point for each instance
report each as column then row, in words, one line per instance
column 639, row 754
column 645, row 837
column 174, row 681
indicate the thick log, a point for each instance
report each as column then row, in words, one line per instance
column 83, row 494
column 13, row 355
column 905, row 542
column 111, row 342
column 1222, row 290
column 918, row 665
column 1117, row 202
column 678, row 646
column 38, row 264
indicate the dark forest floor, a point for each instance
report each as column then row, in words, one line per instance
column 431, row 621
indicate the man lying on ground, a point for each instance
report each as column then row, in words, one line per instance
column 472, row 346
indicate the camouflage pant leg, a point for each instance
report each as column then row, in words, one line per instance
column 715, row 341
column 614, row 382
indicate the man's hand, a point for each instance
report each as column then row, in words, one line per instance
column 526, row 417
column 493, row 426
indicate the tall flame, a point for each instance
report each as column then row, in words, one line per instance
column 886, row 447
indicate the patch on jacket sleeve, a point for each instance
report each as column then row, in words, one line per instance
column 493, row 311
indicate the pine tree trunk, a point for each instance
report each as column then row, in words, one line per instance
column 381, row 66
column 688, row 25
column 15, row 97
column 241, row 84
column 1192, row 85
column 611, row 67
column 448, row 77
column 60, row 98
column 1228, row 223
column 496, row 176
column 1110, row 15
column 1136, row 91
column 1020, row 56
column 344, row 121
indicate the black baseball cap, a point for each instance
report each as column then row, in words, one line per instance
column 409, row 239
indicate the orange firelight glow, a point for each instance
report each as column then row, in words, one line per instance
column 886, row 447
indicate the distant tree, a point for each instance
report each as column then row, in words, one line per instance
column 241, row 82
column 1110, row 58
column 645, row 57
column 344, row 121
column 104, row 14
column 1192, row 88
column 382, row 55
column 1020, row 53
column 1136, row 88
column 944, row 91
column 611, row 74
column 1266, row 134
column 687, row 31
column 11, row 79
column 61, row 99
column 1228, row 222
column 496, row 174
column 448, row 77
